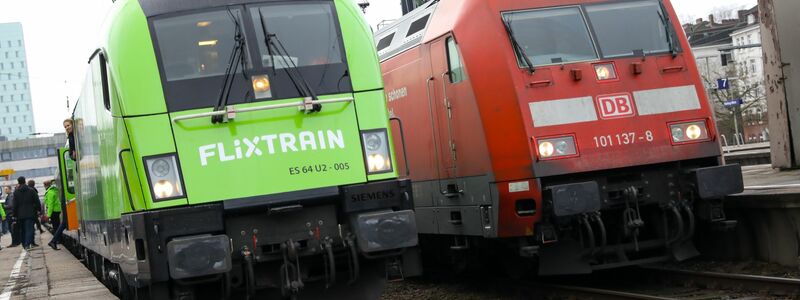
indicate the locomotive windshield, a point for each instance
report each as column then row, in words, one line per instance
column 563, row 35
column 197, row 45
column 298, row 27
column 623, row 28
column 195, row 49
column 551, row 35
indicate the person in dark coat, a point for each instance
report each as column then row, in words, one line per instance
column 26, row 207
column 32, row 184
column 16, row 233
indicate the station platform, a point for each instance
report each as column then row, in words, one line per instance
column 763, row 180
column 767, row 216
column 746, row 155
column 44, row 273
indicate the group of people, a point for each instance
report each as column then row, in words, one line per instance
column 22, row 208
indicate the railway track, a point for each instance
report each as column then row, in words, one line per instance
column 653, row 283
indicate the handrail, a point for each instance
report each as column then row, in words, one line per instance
column 725, row 140
column 232, row 109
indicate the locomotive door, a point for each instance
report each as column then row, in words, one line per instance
column 441, row 105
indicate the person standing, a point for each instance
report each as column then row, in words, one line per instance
column 16, row 232
column 71, row 145
column 7, row 207
column 26, row 208
column 32, row 184
column 3, row 216
column 52, row 204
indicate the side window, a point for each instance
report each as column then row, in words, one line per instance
column 417, row 25
column 455, row 67
column 385, row 42
column 69, row 164
column 100, row 79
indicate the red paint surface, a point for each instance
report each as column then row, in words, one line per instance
column 491, row 124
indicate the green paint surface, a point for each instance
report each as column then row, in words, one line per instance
column 365, row 71
column 269, row 151
column 279, row 150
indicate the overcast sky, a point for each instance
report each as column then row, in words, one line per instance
column 60, row 35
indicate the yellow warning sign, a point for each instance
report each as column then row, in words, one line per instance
column 6, row 172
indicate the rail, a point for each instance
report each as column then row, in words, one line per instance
column 578, row 292
column 775, row 285
column 301, row 105
column 656, row 283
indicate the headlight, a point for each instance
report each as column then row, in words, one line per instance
column 376, row 151
column 372, row 141
column 689, row 132
column 550, row 148
column 163, row 189
column 261, row 86
column 545, row 149
column 605, row 72
column 164, row 177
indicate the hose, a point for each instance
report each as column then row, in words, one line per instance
column 690, row 215
column 356, row 267
column 332, row 262
column 679, row 222
column 603, row 238
column 585, row 221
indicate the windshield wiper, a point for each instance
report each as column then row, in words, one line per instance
column 293, row 71
column 517, row 48
column 236, row 58
column 662, row 14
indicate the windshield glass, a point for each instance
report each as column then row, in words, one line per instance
column 194, row 50
column 622, row 28
column 551, row 36
column 197, row 45
column 307, row 31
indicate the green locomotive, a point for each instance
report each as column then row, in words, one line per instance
column 238, row 147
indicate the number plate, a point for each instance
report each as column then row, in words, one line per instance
column 622, row 139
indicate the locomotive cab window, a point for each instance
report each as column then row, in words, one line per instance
column 550, row 36
column 306, row 31
column 196, row 45
column 455, row 67
column 197, row 49
column 563, row 35
column 624, row 28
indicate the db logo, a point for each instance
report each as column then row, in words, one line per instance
column 615, row 106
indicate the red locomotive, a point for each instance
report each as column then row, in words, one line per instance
column 574, row 132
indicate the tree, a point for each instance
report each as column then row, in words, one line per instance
column 740, row 88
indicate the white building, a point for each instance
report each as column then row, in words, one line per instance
column 731, row 49
column 747, row 56
column 710, row 64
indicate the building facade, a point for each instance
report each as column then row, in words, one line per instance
column 16, row 111
column 749, row 65
column 33, row 158
column 730, row 50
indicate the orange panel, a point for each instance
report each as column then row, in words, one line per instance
column 72, row 215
